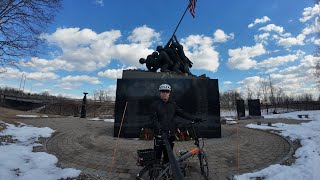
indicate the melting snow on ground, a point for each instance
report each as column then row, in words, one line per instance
column 18, row 162
column 31, row 116
column 307, row 164
column 99, row 119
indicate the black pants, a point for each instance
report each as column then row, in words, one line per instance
column 159, row 148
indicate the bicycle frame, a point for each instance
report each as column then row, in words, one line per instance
column 175, row 162
column 182, row 158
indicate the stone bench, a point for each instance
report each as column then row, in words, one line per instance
column 303, row 115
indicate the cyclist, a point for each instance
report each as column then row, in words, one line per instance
column 163, row 113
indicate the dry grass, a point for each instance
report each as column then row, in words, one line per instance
column 9, row 115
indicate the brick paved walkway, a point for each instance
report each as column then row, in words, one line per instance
column 89, row 146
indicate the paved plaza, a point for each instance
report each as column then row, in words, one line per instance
column 90, row 146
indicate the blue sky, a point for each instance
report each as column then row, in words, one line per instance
column 239, row 42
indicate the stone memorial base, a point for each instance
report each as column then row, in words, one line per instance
column 198, row 96
column 254, row 107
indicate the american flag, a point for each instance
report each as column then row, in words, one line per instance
column 192, row 6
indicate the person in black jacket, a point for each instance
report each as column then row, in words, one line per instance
column 163, row 114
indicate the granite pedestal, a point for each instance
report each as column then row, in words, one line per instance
column 198, row 96
column 254, row 107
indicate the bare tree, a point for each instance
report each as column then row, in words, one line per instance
column 280, row 96
column 21, row 24
column 249, row 93
column 101, row 96
column 254, row 91
column 272, row 90
column 45, row 93
column 228, row 99
column 264, row 90
column 305, row 98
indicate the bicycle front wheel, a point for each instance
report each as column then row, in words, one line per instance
column 204, row 166
column 152, row 172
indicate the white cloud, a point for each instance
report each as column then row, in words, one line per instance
column 277, row 61
column 310, row 12
column 16, row 74
column 289, row 82
column 227, row 82
column 271, row 70
column 291, row 41
column 144, row 35
column 100, row 2
column 309, row 61
column 11, row 73
column 67, row 95
column 68, row 85
column 86, row 50
column 252, row 81
column 241, row 58
column 312, row 28
column 275, row 37
column 272, row 27
column 261, row 38
column 200, row 51
column 82, row 78
column 296, row 80
column 42, row 76
column 317, row 41
column 221, row 36
column 38, row 84
column 129, row 54
column 293, row 81
column 113, row 73
column 47, row 65
column 111, row 89
column 258, row 21
column 71, row 38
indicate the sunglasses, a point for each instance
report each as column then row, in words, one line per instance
column 166, row 91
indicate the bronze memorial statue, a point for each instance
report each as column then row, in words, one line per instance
column 170, row 58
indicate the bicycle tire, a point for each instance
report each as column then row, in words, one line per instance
column 204, row 166
column 151, row 172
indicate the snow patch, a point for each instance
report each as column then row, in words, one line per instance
column 307, row 164
column 17, row 161
column 98, row 119
column 32, row 116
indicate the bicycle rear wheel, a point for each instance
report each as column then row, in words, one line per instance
column 204, row 166
column 151, row 171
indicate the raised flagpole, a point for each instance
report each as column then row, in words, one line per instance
column 190, row 1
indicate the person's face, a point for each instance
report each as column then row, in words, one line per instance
column 164, row 95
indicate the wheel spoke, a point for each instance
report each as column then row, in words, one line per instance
column 204, row 165
column 152, row 172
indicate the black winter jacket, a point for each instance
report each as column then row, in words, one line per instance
column 163, row 114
